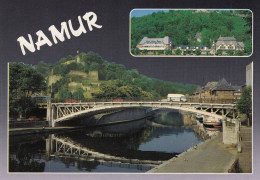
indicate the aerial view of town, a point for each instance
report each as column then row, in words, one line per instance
column 191, row 33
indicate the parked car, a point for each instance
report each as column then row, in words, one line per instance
column 34, row 118
column 70, row 101
column 117, row 100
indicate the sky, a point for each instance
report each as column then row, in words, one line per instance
column 142, row 12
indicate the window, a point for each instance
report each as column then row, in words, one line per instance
column 222, row 46
column 230, row 47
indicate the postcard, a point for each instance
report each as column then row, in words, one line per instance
column 129, row 89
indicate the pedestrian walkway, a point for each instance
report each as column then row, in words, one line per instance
column 245, row 157
column 209, row 157
column 20, row 131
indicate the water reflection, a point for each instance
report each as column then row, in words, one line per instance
column 130, row 147
column 25, row 157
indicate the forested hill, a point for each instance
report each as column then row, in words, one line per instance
column 88, row 75
column 182, row 26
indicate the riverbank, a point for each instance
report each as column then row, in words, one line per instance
column 44, row 129
column 211, row 156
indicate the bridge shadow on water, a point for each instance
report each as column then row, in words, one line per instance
column 126, row 147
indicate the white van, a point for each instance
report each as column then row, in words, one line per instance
column 176, row 98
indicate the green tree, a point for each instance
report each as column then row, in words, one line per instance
column 248, row 46
column 24, row 81
column 57, row 86
column 160, row 52
column 137, row 51
column 178, row 52
column 239, row 53
column 168, row 52
column 65, row 94
column 94, row 66
column 219, row 52
column 188, row 51
column 244, row 104
column 43, row 68
column 230, row 52
column 78, row 94
column 145, row 51
column 60, row 69
column 107, row 91
column 198, row 52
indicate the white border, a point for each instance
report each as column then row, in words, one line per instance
column 141, row 173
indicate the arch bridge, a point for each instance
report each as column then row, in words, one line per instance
column 59, row 112
column 58, row 146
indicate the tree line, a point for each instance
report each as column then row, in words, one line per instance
column 115, row 77
column 26, row 80
column 182, row 26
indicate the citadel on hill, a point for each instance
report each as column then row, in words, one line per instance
column 88, row 76
column 76, row 77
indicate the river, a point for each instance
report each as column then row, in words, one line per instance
column 113, row 148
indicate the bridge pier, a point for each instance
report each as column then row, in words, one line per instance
column 231, row 132
column 49, row 147
column 49, row 115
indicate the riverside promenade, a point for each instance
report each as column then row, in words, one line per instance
column 211, row 156
column 33, row 130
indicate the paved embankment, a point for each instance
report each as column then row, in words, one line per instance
column 209, row 157
column 245, row 157
column 32, row 130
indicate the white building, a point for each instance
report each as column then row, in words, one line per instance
column 155, row 44
column 227, row 43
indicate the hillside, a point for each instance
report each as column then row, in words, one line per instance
column 183, row 26
column 88, row 76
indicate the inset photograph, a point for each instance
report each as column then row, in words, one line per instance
column 186, row 32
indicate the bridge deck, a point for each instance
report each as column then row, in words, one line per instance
column 66, row 111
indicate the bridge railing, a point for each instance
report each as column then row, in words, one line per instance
column 39, row 100
column 212, row 100
column 105, row 100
